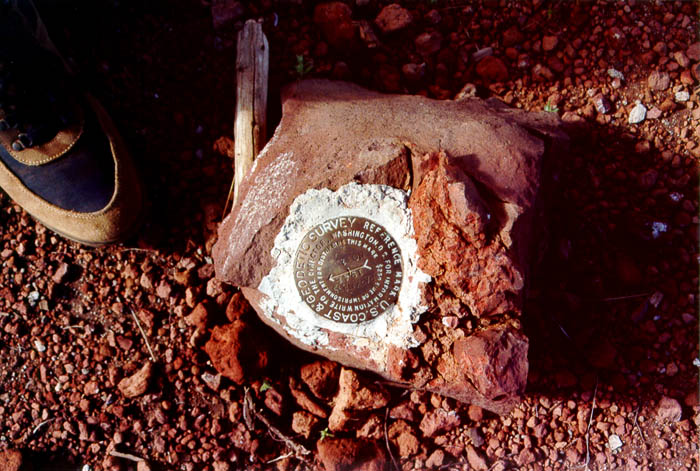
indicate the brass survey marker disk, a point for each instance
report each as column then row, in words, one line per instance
column 348, row 269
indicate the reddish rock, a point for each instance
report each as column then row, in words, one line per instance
column 402, row 436
column 492, row 155
column 476, row 460
column 659, row 81
column 669, row 410
column 143, row 465
column 681, row 59
column 693, row 51
column 428, row 43
column 11, row 460
column 402, row 363
column 405, row 410
column 355, row 396
column 495, row 361
column 225, row 146
column 450, row 219
column 321, row 377
column 60, row 273
column 492, row 70
column 438, row 421
column 549, row 43
column 436, row 459
column 393, row 18
column 237, row 351
column 304, row 400
column 525, row 457
column 163, row 289
column 372, row 429
column 345, row 454
column 238, row 307
column 475, row 413
column 138, row 383
column 335, row 21
column 304, row 423
column 274, row 401
column 332, row 115
column 512, row 37
column 541, row 73
column 199, row 317
column 654, row 113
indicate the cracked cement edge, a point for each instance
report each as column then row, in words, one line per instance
column 383, row 204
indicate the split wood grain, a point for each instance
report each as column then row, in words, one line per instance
column 250, row 126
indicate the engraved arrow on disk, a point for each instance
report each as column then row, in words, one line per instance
column 352, row 270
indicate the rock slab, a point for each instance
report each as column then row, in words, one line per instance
column 467, row 174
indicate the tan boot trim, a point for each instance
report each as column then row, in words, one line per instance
column 45, row 153
column 103, row 226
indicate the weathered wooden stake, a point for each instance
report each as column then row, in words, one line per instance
column 250, row 127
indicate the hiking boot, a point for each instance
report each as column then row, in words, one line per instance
column 61, row 158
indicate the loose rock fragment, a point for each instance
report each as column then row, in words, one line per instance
column 321, row 377
column 428, row 43
column 669, row 410
column 659, row 81
column 402, row 435
column 637, row 114
column 549, row 43
column 304, row 423
column 60, row 272
column 614, row 443
column 138, row 383
column 439, row 421
column 492, row 69
column 335, row 21
column 236, row 351
column 476, row 460
column 304, row 400
column 11, row 460
column 355, row 396
column 602, row 104
column 682, row 96
column 345, row 454
column 393, row 18
column 199, row 317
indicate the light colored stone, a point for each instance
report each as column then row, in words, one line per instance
column 682, row 96
column 637, row 114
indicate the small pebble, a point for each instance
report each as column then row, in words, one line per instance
column 638, row 113
column 658, row 228
column 682, row 96
column 616, row 74
column 615, row 443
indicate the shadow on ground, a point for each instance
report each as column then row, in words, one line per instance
column 618, row 275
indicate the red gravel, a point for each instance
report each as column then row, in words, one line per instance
column 612, row 321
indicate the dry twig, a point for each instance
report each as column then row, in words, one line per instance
column 126, row 456
column 386, row 440
column 249, row 406
column 36, row 429
column 588, row 429
column 280, row 458
column 143, row 334
column 639, row 429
